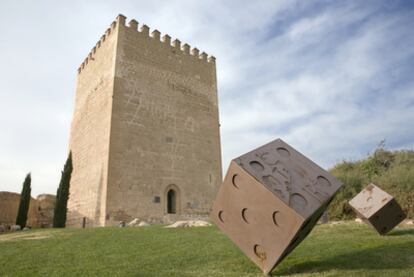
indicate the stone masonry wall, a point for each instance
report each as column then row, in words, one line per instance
column 165, row 128
column 145, row 121
column 40, row 209
column 45, row 210
column 89, row 140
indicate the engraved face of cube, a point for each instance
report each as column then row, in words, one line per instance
column 370, row 200
column 257, row 221
column 295, row 179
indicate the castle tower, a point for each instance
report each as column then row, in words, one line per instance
column 145, row 132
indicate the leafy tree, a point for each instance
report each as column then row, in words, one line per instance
column 62, row 195
column 24, row 202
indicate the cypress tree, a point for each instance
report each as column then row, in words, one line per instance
column 62, row 195
column 24, row 202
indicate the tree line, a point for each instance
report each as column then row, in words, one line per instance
column 62, row 196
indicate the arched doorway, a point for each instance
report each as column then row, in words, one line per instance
column 171, row 201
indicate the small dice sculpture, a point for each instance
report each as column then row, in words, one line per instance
column 270, row 200
column 377, row 208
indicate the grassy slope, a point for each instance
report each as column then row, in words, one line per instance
column 393, row 171
column 330, row 250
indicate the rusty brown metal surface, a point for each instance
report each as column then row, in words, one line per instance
column 270, row 200
column 377, row 208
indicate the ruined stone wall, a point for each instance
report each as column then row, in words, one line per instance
column 89, row 139
column 45, row 210
column 9, row 206
column 165, row 128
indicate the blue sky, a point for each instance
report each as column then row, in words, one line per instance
column 331, row 78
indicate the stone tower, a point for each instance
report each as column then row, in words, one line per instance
column 145, row 132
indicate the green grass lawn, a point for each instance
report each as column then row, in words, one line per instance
column 347, row 249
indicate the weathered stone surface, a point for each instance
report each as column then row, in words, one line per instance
column 143, row 224
column 189, row 223
column 377, row 208
column 178, row 224
column 199, row 223
column 9, row 206
column 145, row 125
column 133, row 223
column 270, row 200
column 45, row 210
column 2, row 229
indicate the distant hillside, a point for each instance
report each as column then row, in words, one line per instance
column 393, row 171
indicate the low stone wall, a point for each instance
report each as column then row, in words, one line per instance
column 40, row 209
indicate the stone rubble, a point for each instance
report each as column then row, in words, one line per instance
column 15, row 228
column 133, row 223
column 189, row 223
column 143, row 224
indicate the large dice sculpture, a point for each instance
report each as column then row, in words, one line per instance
column 377, row 208
column 270, row 200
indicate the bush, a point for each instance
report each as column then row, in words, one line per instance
column 392, row 171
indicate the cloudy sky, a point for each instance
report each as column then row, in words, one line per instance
column 331, row 78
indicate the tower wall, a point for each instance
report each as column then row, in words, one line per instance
column 90, row 131
column 165, row 128
column 145, row 122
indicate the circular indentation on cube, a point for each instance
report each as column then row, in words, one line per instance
column 276, row 218
column 259, row 252
column 369, row 199
column 298, row 200
column 220, row 216
column 323, row 182
column 235, row 180
column 244, row 214
column 283, row 152
column 383, row 229
column 401, row 216
column 258, row 167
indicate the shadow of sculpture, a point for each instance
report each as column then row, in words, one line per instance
column 392, row 256
column 401, row 232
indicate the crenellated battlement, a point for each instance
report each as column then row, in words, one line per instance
column 144, row 30
column 98, row 45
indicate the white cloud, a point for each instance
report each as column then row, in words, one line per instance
column 332, row 79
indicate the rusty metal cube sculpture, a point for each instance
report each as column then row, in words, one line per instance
column 270, row 200
column 377, row 208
